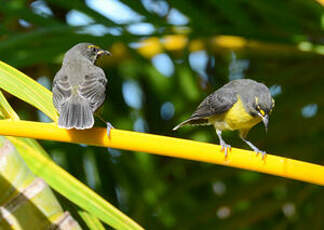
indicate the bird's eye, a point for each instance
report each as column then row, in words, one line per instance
column 93, row 49
column 260, row 110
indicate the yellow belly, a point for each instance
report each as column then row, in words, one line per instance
column 235, row 118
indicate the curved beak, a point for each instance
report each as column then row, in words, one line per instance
column 102, row 52
column 265, row 120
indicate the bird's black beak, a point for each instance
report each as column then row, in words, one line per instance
column 102, row 52
column 265, row 120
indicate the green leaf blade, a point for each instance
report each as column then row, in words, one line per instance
column 92, row 222
column 6, row 109
column 27, row 89
column 71, row 188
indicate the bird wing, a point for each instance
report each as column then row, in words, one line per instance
column 93, row 88
column 216, row 103
column 62, row 89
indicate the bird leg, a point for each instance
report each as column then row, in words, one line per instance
column 225, row 147
column 255, row 149
column 109, row 127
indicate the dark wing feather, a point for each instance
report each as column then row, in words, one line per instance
column 93, row 88
column 216, row 103
column 62, row 90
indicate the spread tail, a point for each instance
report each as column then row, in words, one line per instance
column 192, row 121
column 76, row 113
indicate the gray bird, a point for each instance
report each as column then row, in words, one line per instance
column 79, row 86
column 238, row 105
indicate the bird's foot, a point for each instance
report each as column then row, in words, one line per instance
column 255, row 149
column 109, row 127
column 263, row 153
column 226, row 148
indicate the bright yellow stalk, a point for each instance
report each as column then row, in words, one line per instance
column 168, row 146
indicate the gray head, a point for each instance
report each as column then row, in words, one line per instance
column 262, row 103
column 86, row 50
column 257, row 98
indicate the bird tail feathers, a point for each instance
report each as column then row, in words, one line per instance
column 192, row 121
column 76, row 113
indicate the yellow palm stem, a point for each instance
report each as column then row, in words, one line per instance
column 168, row 146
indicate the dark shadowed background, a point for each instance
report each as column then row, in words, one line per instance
column 166, row 57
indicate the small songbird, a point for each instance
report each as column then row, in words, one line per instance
column 238, row 105
column 79, row 87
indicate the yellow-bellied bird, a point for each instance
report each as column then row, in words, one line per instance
column 238, row 105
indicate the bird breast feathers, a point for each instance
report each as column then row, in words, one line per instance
column 237, row 118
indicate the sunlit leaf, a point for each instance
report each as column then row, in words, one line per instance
column 6, row 109
column 71, row 188
column 27, row 89
column 92, row 222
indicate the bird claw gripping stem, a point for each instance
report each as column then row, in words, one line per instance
column 109, row 128
column 263, row 153
column 226, row 148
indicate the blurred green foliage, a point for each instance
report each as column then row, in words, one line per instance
column 164, row 193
